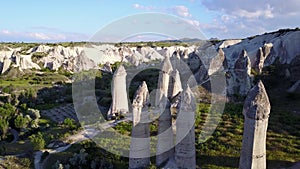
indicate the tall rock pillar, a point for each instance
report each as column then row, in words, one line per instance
column 139, row 156
column 185, row 153
column 256, row 111
column 164, row 81
column 119, row 93
column 165, row 137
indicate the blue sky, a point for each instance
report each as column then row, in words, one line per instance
column 78, row 20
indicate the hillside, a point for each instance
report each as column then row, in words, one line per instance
column 37, row 96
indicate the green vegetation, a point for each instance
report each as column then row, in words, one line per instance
column 70, row 123
column 86, row 154
column 38, row 55
column 222, row 149
column 12, row 162
column 38, row 141
column 21, row 122
column 34, row 90
column 161, row 44
column 3, row 127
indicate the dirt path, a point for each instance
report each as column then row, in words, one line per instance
column 89, row 132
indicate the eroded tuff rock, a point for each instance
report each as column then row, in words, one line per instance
column 218, row 63
column 165, row 135
column 164, row 81
column 119, row 94
column 185, row 152
column 140, row 135
column 264, row 50
column 228, row 43
column 107, row 68
column 239, row 77
column 275, row 45
column 256, row 111
column 259, row 62
column 71, row 59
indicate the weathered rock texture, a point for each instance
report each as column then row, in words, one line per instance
column 139, row 156
column 167, row 87
column 119, row 93
column 256, row 111
column 177, row 87
column 185, row 153
column 164, row 81
column 165, row 138
column 239, row 80
column 264, row 50
column 140, row 103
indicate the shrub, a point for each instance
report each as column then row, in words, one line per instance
column 4, row 124
column 21, row 122
column 68, row 122
column 38, row 141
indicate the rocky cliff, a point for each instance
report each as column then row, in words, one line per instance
column 238, row 58
column 281, row 47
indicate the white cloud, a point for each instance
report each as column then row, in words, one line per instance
column 136, row 6
column 193, row 22
column 43, row 36
column 141, row 7
column 264, row 13
column 7, row 35
column 251, row 17
column 5, row 32
column 181, row 11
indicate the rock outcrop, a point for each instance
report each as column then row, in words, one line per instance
column 256, row 111
column 139, row 156
column 263, row 50
column 165, row 141
column 185, row 152
column 239, row 80
column 176, row 85
column 164, row 81
column 165, row 137
column 119, row 94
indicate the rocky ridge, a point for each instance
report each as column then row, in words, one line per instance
column 238, row 58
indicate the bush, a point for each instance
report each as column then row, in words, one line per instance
column 21, row 122
column 3, row 127
column 68, row 122
column 38, row 55
column 38, row 141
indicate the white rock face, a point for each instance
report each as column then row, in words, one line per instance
column 262, row 51
column 71, row 59
column 282, row 46
column 176, row 83
column 12, row 58
column 86, row 57
column 135, row 55
column 164, row 81
column 228, row 43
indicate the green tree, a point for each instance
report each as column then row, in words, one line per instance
column 68, row 122
column 7, row 110
column 38, row 141
column 21, row 122
column 4, row 125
